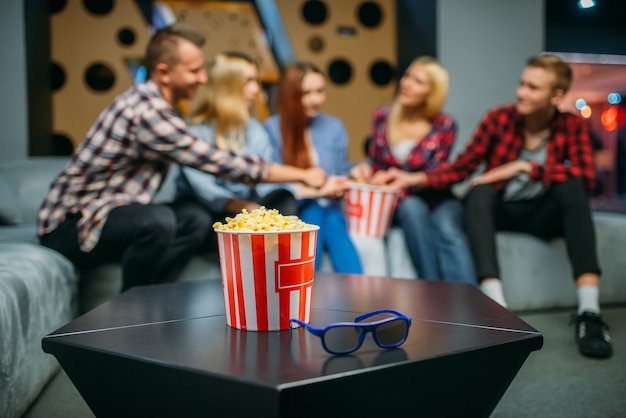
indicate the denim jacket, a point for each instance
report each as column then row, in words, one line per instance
column 215, row 192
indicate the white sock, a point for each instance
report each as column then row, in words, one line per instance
column 493, row 289
column 588, row 299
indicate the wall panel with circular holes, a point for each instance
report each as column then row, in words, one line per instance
column 354, row 42
column 91, row 43
column 230, row 26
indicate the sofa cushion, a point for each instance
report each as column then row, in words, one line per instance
column 101, row 283
column 23, row 233
column 31, row 179
column 37, row 295
column 9, row 204
column 400, row 264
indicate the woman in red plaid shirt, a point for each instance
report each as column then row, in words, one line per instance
column 414, row 135
column 539, row 167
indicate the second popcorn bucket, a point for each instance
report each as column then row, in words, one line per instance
column 369, row 209
column 267, row 275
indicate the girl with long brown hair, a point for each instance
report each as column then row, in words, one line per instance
column 303, row 136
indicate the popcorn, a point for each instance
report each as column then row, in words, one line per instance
column 262, row 219
column 267, row 262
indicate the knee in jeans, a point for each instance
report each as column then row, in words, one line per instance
column 480, row 197
column 569, row 187
column 412, row 207
column 481, row 191
column 161, row 223
column 201, row 227
column 571, row 195
column 449, row 229
column 200, row 220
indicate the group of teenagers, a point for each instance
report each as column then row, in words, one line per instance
column 538, row 170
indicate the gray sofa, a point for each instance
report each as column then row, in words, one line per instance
column 40, row 290
column 536, row 275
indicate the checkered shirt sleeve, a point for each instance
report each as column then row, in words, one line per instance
column 498, row 139
column 124, row 159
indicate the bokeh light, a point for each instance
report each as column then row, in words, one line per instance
column 580, row 103
column 585, row 112
column 614, row 98
column 585, row 4
column 609, row 119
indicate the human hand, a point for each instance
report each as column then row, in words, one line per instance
column 380, row 178
column 504, row 172
column 314, row 177
column 234, row 206
column 399, row 179
column 361, row 172
column 335, row 186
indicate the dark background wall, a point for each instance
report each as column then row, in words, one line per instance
column 13, row 83
column 417, row 30
column 39, row 91
column 597, row 30
column 470, row 28
column 484, row 45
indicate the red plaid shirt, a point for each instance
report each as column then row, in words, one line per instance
column 124, row 159
column 429, row 153
column 500, row 137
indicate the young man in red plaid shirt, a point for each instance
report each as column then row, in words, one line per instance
column 539, row 167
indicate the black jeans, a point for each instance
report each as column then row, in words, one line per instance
column 563, row 211
column 153, row 242
column 282, row 200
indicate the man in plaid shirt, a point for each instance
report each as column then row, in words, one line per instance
column 539, row 167
column 99, row 209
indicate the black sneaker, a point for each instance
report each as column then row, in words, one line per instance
column 592, row 335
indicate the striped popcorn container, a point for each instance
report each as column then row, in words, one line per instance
column 369, row 209
column 267, row 277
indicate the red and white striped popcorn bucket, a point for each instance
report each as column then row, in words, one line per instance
column 369, row 209
column 267, row 277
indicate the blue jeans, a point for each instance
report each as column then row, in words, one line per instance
column 332, row 236
column 436, row 239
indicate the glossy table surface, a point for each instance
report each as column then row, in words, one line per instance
column 182, row 326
